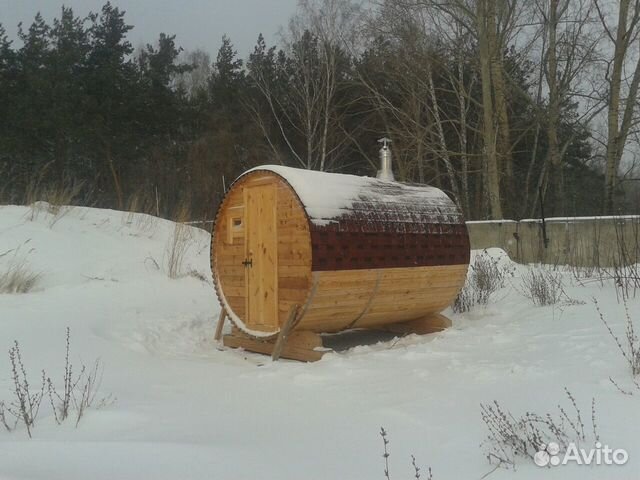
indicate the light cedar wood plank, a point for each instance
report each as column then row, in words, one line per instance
column 285, row 330
column 220, row 324
column 262, row 244
column 435, row 322
column 231, row 270
column 291, row 351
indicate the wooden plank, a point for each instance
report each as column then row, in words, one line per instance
column 262, row 251
column 417, row 308
column 294, row 238
column 229, row 259
column 339, row 316
column 435, row 322
column 300, row 346
column 284, row 332
column 294, row 271
column 234, row 291
column 332, row 296
column 293, row 293
column 294, row 262
column 260, row 179
column 230, row 250
column 294, row 251
column 237, row 308
column 286, row 253
column 234, row 281
column 403, row 295
column 332, row 307
column 397, row 273
column 220, row 325
column 235, row 270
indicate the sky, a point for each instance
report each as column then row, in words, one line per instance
column 196, row 23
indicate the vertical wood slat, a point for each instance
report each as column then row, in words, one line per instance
column 261, row 240
column 284, row 333
column 220, row 324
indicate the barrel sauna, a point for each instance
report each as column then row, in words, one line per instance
column 344, row 251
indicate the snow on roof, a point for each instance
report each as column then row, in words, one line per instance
column 328, row 197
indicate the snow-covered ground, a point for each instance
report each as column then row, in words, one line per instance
column 189, row 409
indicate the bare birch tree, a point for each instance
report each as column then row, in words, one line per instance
column 412, row 109
column 569, row 45
column 623, row 70
column 309, row 108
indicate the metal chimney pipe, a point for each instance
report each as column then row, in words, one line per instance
column 386, row 171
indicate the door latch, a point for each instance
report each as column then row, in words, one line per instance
column 248, row 263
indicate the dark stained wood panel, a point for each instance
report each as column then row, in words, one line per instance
column 344, row 250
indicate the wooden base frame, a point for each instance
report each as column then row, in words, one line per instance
column 306, row 346
column 433, row 323
column 298, row 346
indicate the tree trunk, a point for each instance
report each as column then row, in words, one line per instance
column 453, row 181
column 499, row 91
column 615, row 83
column 464, row 159
column 554, row 112
column 489, row 137
column 116, row 179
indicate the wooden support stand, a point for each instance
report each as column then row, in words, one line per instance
column 220, row 325
column 307, row 346
column 433, row 323
column 298, row 346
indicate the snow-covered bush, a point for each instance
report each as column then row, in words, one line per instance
column 25, row 405
column 543, row 286
column 486, row 276
column 77, row 394
column 511, row 438
column 386, row 455
column 630, row 348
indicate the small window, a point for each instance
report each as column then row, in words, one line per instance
column 235, row 227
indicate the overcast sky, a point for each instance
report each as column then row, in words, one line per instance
column 196, row 23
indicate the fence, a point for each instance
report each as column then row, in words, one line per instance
column 579, row 241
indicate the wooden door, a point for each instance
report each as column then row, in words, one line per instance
column 261, row 254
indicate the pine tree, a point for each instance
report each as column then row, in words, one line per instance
column 70, row 49
column 227, row 78
column 32, row 102
column 111, row 79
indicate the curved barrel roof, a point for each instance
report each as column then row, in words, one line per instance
column 355, row 203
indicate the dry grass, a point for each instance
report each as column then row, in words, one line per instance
column 179, row 243
column 141, row 211
column 630, row 347
column 16, row 276
column 417, row 471
column 54, row 200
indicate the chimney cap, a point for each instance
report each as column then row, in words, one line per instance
column 384, row 141
column 386, row 171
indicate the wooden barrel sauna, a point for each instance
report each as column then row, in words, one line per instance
column 348, row 251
